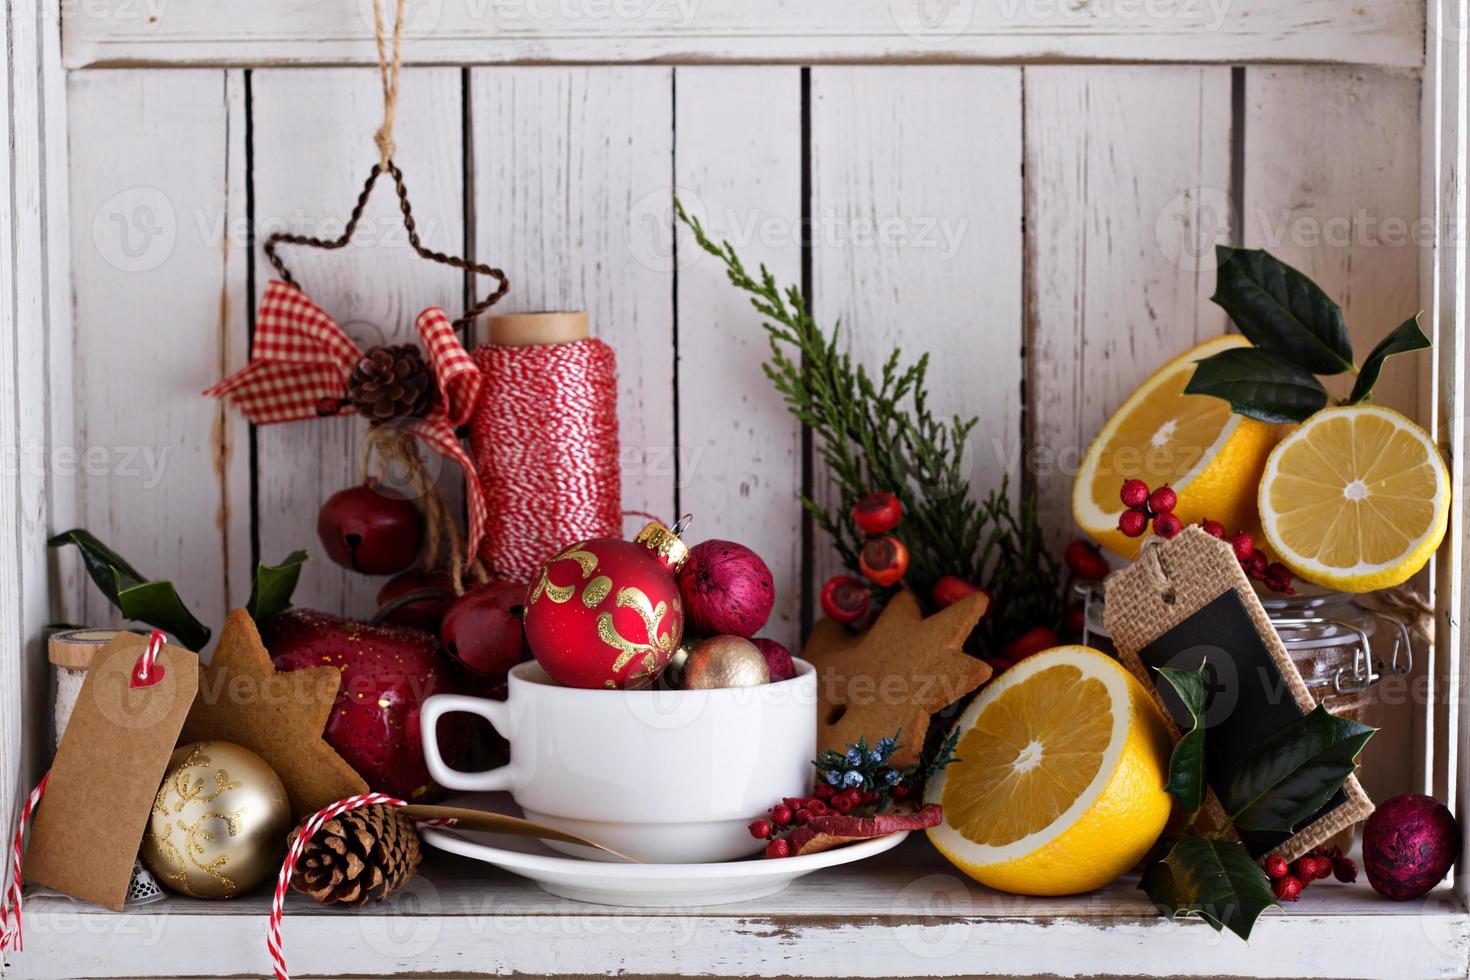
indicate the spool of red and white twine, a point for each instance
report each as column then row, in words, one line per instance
column 545, row 441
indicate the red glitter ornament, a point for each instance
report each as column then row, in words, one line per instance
column 606, row 613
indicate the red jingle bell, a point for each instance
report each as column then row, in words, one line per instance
column 606, row 613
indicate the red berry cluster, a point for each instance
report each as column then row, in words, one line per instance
column 1144, row 506
column 1159, row 505
column 1289, row 880
column 797, row 811
column 883, row 559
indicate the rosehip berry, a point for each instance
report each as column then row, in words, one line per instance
column 1244, row 545
column 1167, row 525
column 877, row 513
column 1085, row 561
column 1345, row 869
column 841, row 803
column 1321, row 867
column 1034, row 640
column 803, row 817
column 1213, row 528
column 900, row 792
column 825, row 791
column 781, row 814
column 1276, row 866
column 951, row 589
column 1255, row 565
column 1278, row 578
column 1134, row 493
column 778, row 849
column 1076, row 618
column 1163, row 500
column 760, row 829
column 1133, row 523
column 884, row 560
column 845, row 599
column 1286, row 889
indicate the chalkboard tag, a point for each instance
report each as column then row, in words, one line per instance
column 1187, row 601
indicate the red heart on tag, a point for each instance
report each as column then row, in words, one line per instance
column 139, row 678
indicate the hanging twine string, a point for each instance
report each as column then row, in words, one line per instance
column 388, row 71
column 394, row 448
column 11, row 934
column 545, row 441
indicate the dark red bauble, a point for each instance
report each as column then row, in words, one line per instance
column 371, row 530
column 482, row 629
column 778, row 659
column 727, row 589
column 423, row 614
column 606, row 613
column 1409, row 845
column 387, row 672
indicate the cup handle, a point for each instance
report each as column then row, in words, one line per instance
column 495, row 712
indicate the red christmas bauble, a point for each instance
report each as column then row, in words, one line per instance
column 606, row 613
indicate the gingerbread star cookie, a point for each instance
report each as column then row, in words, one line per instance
column 905, row 668
column 278, row 716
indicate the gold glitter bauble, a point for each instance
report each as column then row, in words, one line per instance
column 725, row 661
column 219, row 821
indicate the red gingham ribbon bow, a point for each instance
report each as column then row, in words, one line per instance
column 299, row 366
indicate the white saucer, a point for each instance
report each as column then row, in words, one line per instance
column 638, row 885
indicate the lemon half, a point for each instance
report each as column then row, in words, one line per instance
column 1058, row 787
column 1212, row 457
column 1357, row 498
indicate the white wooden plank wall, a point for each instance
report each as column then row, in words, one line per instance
column 1075, row 279
column 573, row 172
column 1126, row 169
column 916, row 216
column 737, row 164
column 313, row 148
column 1331, row 159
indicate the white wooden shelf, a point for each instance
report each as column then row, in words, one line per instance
column 907, row 913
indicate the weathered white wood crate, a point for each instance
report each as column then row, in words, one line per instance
column 1028, row 188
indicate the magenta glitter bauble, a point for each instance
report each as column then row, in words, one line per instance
column 1409, row 845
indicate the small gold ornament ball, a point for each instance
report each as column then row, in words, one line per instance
column 219, row 821
column 725, row 661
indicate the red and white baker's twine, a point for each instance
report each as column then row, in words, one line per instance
column 156, row 640
column 288, row 867
column 545, row 439
column 11, row 935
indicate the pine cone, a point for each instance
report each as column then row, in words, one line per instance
column 363, row 854
column 392, row 381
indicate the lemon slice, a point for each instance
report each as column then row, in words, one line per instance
column 1210, row 456
column 1355, row 499
column 1058, row 787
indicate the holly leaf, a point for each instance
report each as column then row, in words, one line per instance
column 154, row 602
column 1281, row 310
column 1258, row 383
column 1291, row 774
column 1406, row 337
column 271, row 591
column 1213, row 879
column 1187, row 764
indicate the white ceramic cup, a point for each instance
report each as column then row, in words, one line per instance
column 668, row 777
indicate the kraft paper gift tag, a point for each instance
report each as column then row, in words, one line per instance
column 1185, row 601
column 107, row 770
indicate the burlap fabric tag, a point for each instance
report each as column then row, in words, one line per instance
column 1171, row 581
